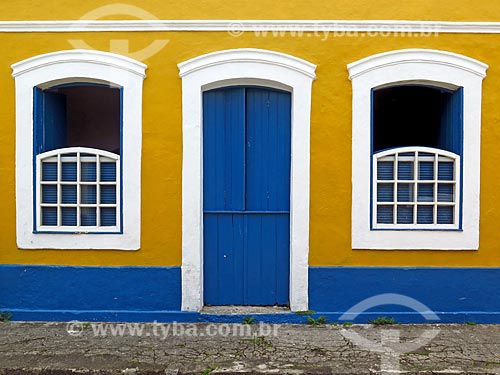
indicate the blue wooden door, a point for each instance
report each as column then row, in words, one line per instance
column 246, row 196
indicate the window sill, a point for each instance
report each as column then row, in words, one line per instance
column 453, row 239
column 78, row 241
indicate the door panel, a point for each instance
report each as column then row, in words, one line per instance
column 246, row 178
column 267, row 258
column 224, row 258
column 268, row 150
column 224, row 149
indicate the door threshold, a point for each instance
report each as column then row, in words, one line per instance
column 244, row 310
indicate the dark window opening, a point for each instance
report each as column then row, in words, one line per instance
column 417, row 116
column 77, row 115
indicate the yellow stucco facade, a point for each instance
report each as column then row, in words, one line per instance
column 330, row 183
column 443, row 10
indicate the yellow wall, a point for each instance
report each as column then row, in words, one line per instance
column 330, row 144
column 442, row 10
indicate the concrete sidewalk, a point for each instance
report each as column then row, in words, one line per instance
column 154, row 348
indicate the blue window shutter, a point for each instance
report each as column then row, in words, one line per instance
column 425, row 192
column 38, row 120
column 49, row 119
column 451, row 132
column 68, row 172
column 385, row 215
column 108, row 217
column 385, row 170
column 385, row 193
column 445, row 193
column 108, row 194
column 68, row 216
column 49, row 194
column 405, row 215
column 108, row 172
column 426, row 170
column 445, row 170
column 405, row 170
column 68, row 194
column 445, row 215
column 88, row 216
column 425, row 214
column 458, row 120
column 88, row 171
column 54, row 121
column 49, row 171
column 88, row 194
column 49, row 216
column 405, row 193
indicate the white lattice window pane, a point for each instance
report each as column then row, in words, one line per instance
column 79, row 190
column 415, row 187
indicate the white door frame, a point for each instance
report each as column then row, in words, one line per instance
column 244, row 67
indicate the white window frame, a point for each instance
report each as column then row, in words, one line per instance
column 415, row 181
column 244, row 67
column 432, row 68
column 62, row 67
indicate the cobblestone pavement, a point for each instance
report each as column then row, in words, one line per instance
column 154, row 348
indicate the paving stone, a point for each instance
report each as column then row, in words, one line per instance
column 154, row 348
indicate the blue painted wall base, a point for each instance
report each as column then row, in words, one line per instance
column 146, row 294
column 455, row 295
column 92, row 293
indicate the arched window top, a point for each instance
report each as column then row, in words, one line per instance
column 423, row 58
column 248, row 57
column 88, row 58
column 438, row 86
column 74, row 81
column 71, row 151
column 423, row 151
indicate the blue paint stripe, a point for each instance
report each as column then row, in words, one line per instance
column 334, row 317
column 285, row 318
column 90, row 288
column 443, row 290
column 61, row 293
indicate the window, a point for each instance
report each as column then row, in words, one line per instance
column 416, row 147
column 78, row 190
column 77, row 147
column 416, row 188
column 78, row 127
column 415, row 133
